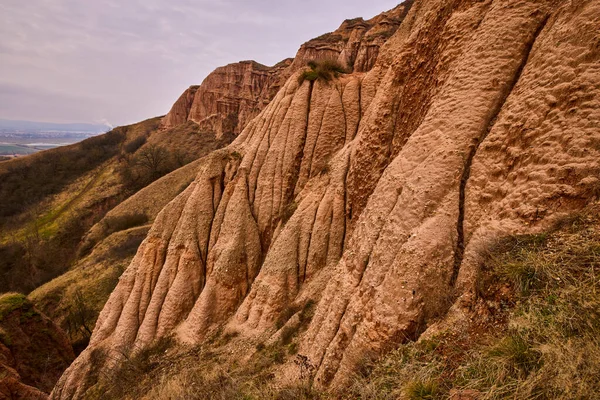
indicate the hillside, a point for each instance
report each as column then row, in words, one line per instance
column 353, row 214
column 405, row 209
column 33, row 350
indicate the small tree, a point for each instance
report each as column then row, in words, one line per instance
column 80, row 318
column 153, row 159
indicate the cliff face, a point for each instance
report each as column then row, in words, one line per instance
column 233, row 95
column 375, row 194
column 356, row 43
column 228, row 98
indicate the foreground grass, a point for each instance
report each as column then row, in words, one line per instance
column 548, row 347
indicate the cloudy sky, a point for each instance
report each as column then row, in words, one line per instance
column 122, row 61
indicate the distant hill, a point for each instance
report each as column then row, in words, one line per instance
column 33, row 126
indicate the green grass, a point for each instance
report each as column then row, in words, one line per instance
column 10, row 302
column 421, row 390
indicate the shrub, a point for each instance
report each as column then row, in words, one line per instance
column 324, row 70
column 148, row 164
column 80, row 318
column 135, row 144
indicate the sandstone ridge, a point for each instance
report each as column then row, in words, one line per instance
column 231, row 96
column 373, row 194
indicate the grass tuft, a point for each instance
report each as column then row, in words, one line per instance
column 422, row 390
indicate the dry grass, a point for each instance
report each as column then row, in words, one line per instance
column 549, row 347
column 193, row 373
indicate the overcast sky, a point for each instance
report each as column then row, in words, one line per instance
column 122, row 61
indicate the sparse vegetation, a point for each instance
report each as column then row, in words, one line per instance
column 324, row 70
column 33, row 258
column 76, row 298
column 80, row 318
column 148, row 164
column 135, row 144
column 26, row 181
column 542, row 342
column 131, row 366
column 327, row 38
column 200, row 373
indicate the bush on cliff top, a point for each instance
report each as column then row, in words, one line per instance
column 324, row 70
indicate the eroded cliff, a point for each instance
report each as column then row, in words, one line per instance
column 231, row 96
column 373, row 194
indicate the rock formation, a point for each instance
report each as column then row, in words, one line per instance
column 374, row 194
column 33, row 350
column 231, row 96
column 228, row 98
column 356, row 43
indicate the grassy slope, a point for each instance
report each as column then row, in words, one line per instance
column 74, row 299
column 534, row 334
column 51, row 199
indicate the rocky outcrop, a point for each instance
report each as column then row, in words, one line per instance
column 356, row 43
column 228, row 98
column 375, row 193
column 231, row 96
column 33, row 350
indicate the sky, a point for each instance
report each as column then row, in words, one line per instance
column 122, row 61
